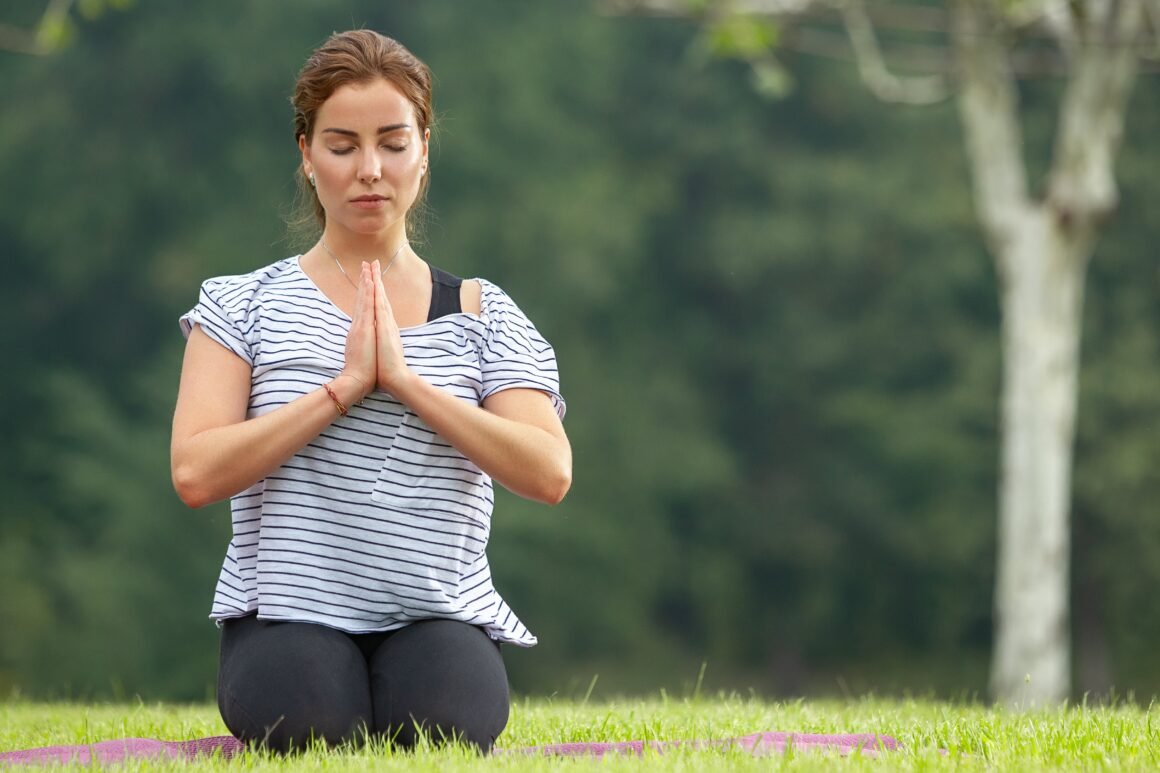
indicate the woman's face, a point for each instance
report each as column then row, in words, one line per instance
column 367, row 156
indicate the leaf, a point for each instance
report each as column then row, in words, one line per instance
column 91, row 9
column 770, row 79
column 741, row 37
column 55, row 32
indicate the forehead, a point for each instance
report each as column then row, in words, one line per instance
column 365, row 107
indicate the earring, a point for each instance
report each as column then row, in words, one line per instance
column 312, row 184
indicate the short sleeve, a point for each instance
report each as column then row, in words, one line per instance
column 221, row 314
column 514, row 354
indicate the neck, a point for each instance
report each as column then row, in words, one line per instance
column 352, row 249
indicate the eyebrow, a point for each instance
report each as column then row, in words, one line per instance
column 394, row 127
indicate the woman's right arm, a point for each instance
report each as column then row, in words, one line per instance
column 216, row 451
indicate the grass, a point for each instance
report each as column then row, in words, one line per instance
column 975, row 737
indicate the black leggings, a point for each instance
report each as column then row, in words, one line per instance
column 283, row 684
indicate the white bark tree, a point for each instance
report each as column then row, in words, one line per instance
column 1041, row 246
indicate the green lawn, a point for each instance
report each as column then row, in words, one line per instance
column 975, row 737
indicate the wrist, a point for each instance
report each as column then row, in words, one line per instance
column 350, row 388
column 403, row 385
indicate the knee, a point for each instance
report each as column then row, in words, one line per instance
column 294, row 687
column 283, row 721
column 441, row 679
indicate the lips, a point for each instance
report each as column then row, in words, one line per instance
column 370, row 202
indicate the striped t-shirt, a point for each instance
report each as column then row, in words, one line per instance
column 377, row 522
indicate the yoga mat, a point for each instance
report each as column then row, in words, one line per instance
column 124, row 749
column 758, row 744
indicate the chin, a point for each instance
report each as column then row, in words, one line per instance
column 368, row 226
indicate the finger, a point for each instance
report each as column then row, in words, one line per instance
column 372, row 289
column 360, row 303
column 367, row 289
column 365, row 307
column 378, row 277
column 382, row 303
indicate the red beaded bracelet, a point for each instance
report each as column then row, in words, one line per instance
column 337, row 403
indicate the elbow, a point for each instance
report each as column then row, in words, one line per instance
column 189, row 486
column 556, row 486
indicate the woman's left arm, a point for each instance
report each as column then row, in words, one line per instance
column 515, row 436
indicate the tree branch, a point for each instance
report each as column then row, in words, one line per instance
column 1039, row 62
column 885, row 85
column 1081, row 183
column 20, row 40
column 835, row 44
column 989, row 106
column 1152, row 13
column 690, row 7
column 1053, row 17
column 1059, row 20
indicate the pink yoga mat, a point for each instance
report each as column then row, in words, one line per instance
column 758, row 744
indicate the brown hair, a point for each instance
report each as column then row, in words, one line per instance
column 357, row 56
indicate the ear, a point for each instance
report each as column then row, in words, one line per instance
column 304, row 149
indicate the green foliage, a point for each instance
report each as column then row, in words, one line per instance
column 747, row 38
column 776, row 325
column 54, row 32
column 55, row 27
column 740, row 37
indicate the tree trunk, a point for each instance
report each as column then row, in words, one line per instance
column 1042, row 298
column 1041, row 250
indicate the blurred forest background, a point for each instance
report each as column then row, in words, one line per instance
column 776, row 323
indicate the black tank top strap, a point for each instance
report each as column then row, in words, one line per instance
column 444, row 294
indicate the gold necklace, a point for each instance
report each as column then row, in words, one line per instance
column 338, row 263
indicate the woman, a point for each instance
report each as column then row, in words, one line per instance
column 355, row 404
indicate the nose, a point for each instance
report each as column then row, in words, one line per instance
column 370, row 166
